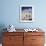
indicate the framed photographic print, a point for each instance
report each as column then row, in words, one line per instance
column 26, row 13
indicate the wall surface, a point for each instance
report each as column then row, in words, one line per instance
column 10, row 12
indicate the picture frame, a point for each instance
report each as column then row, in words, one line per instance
column 26, row 13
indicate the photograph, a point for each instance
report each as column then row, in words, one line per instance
column 26, row 13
